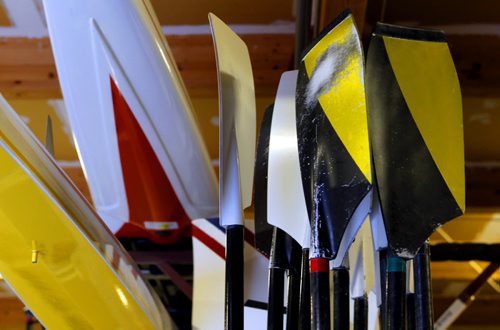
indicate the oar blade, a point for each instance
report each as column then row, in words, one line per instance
column 285, row 195
column 415, row 118
column 333, row 137
column 237, row 118
column 263, row 230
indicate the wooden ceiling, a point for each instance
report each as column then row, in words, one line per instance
column 28, row 78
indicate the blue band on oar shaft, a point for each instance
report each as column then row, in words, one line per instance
column 395, row 264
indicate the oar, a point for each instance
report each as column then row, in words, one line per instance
column 285, row 196
column 423, row 313
column 269, row 240
column 237, row 152
column 333, row 152
column 415, row 120
column 303, row 36
column 465, row 298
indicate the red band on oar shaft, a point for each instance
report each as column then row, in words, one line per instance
column 319, row 265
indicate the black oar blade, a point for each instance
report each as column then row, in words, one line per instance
column 415, row 120
column 263, row 230
column 332, row 134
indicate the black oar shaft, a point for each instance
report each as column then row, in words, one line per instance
column 341, row 299
column 360, row 313
column 410, row 311
column 395, row 294
column 305, row 293
column 293, row 305
column 383, row 272
column 234, row 277
column 320, row 293
column 424, row 318
column 302, row 34
column 278, row 264
column 276, row 298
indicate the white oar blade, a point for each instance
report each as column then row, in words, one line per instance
column 362, row 262
column 286, row 202
column 237, row 117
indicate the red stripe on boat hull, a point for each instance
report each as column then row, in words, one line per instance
column 150, row 195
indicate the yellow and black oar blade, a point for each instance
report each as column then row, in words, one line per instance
column 415, row 119
column 332, row 134
column 334, row 154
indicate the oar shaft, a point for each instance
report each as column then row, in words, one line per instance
column 320, row 293
column 360, row 313
column 383, row 275
column 395, row 294
column 302, row 28
column 293, row 305
column 305, row 293
column 276, row 298
column 341, row 298
column 234, row 277
column 424, row 318
column 465, row 298
column 278, row 264
column 410, row 311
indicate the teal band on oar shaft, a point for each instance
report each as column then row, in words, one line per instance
column 395, row 264
column 395, row 294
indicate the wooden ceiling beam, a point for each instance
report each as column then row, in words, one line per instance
column 27, row 67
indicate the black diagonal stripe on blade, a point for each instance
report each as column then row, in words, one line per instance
column 414, row 197
column 394, row 31
column 333, row 184
column 263, row 230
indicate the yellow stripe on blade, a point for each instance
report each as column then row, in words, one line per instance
column 427, row 78
column 338, row 58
